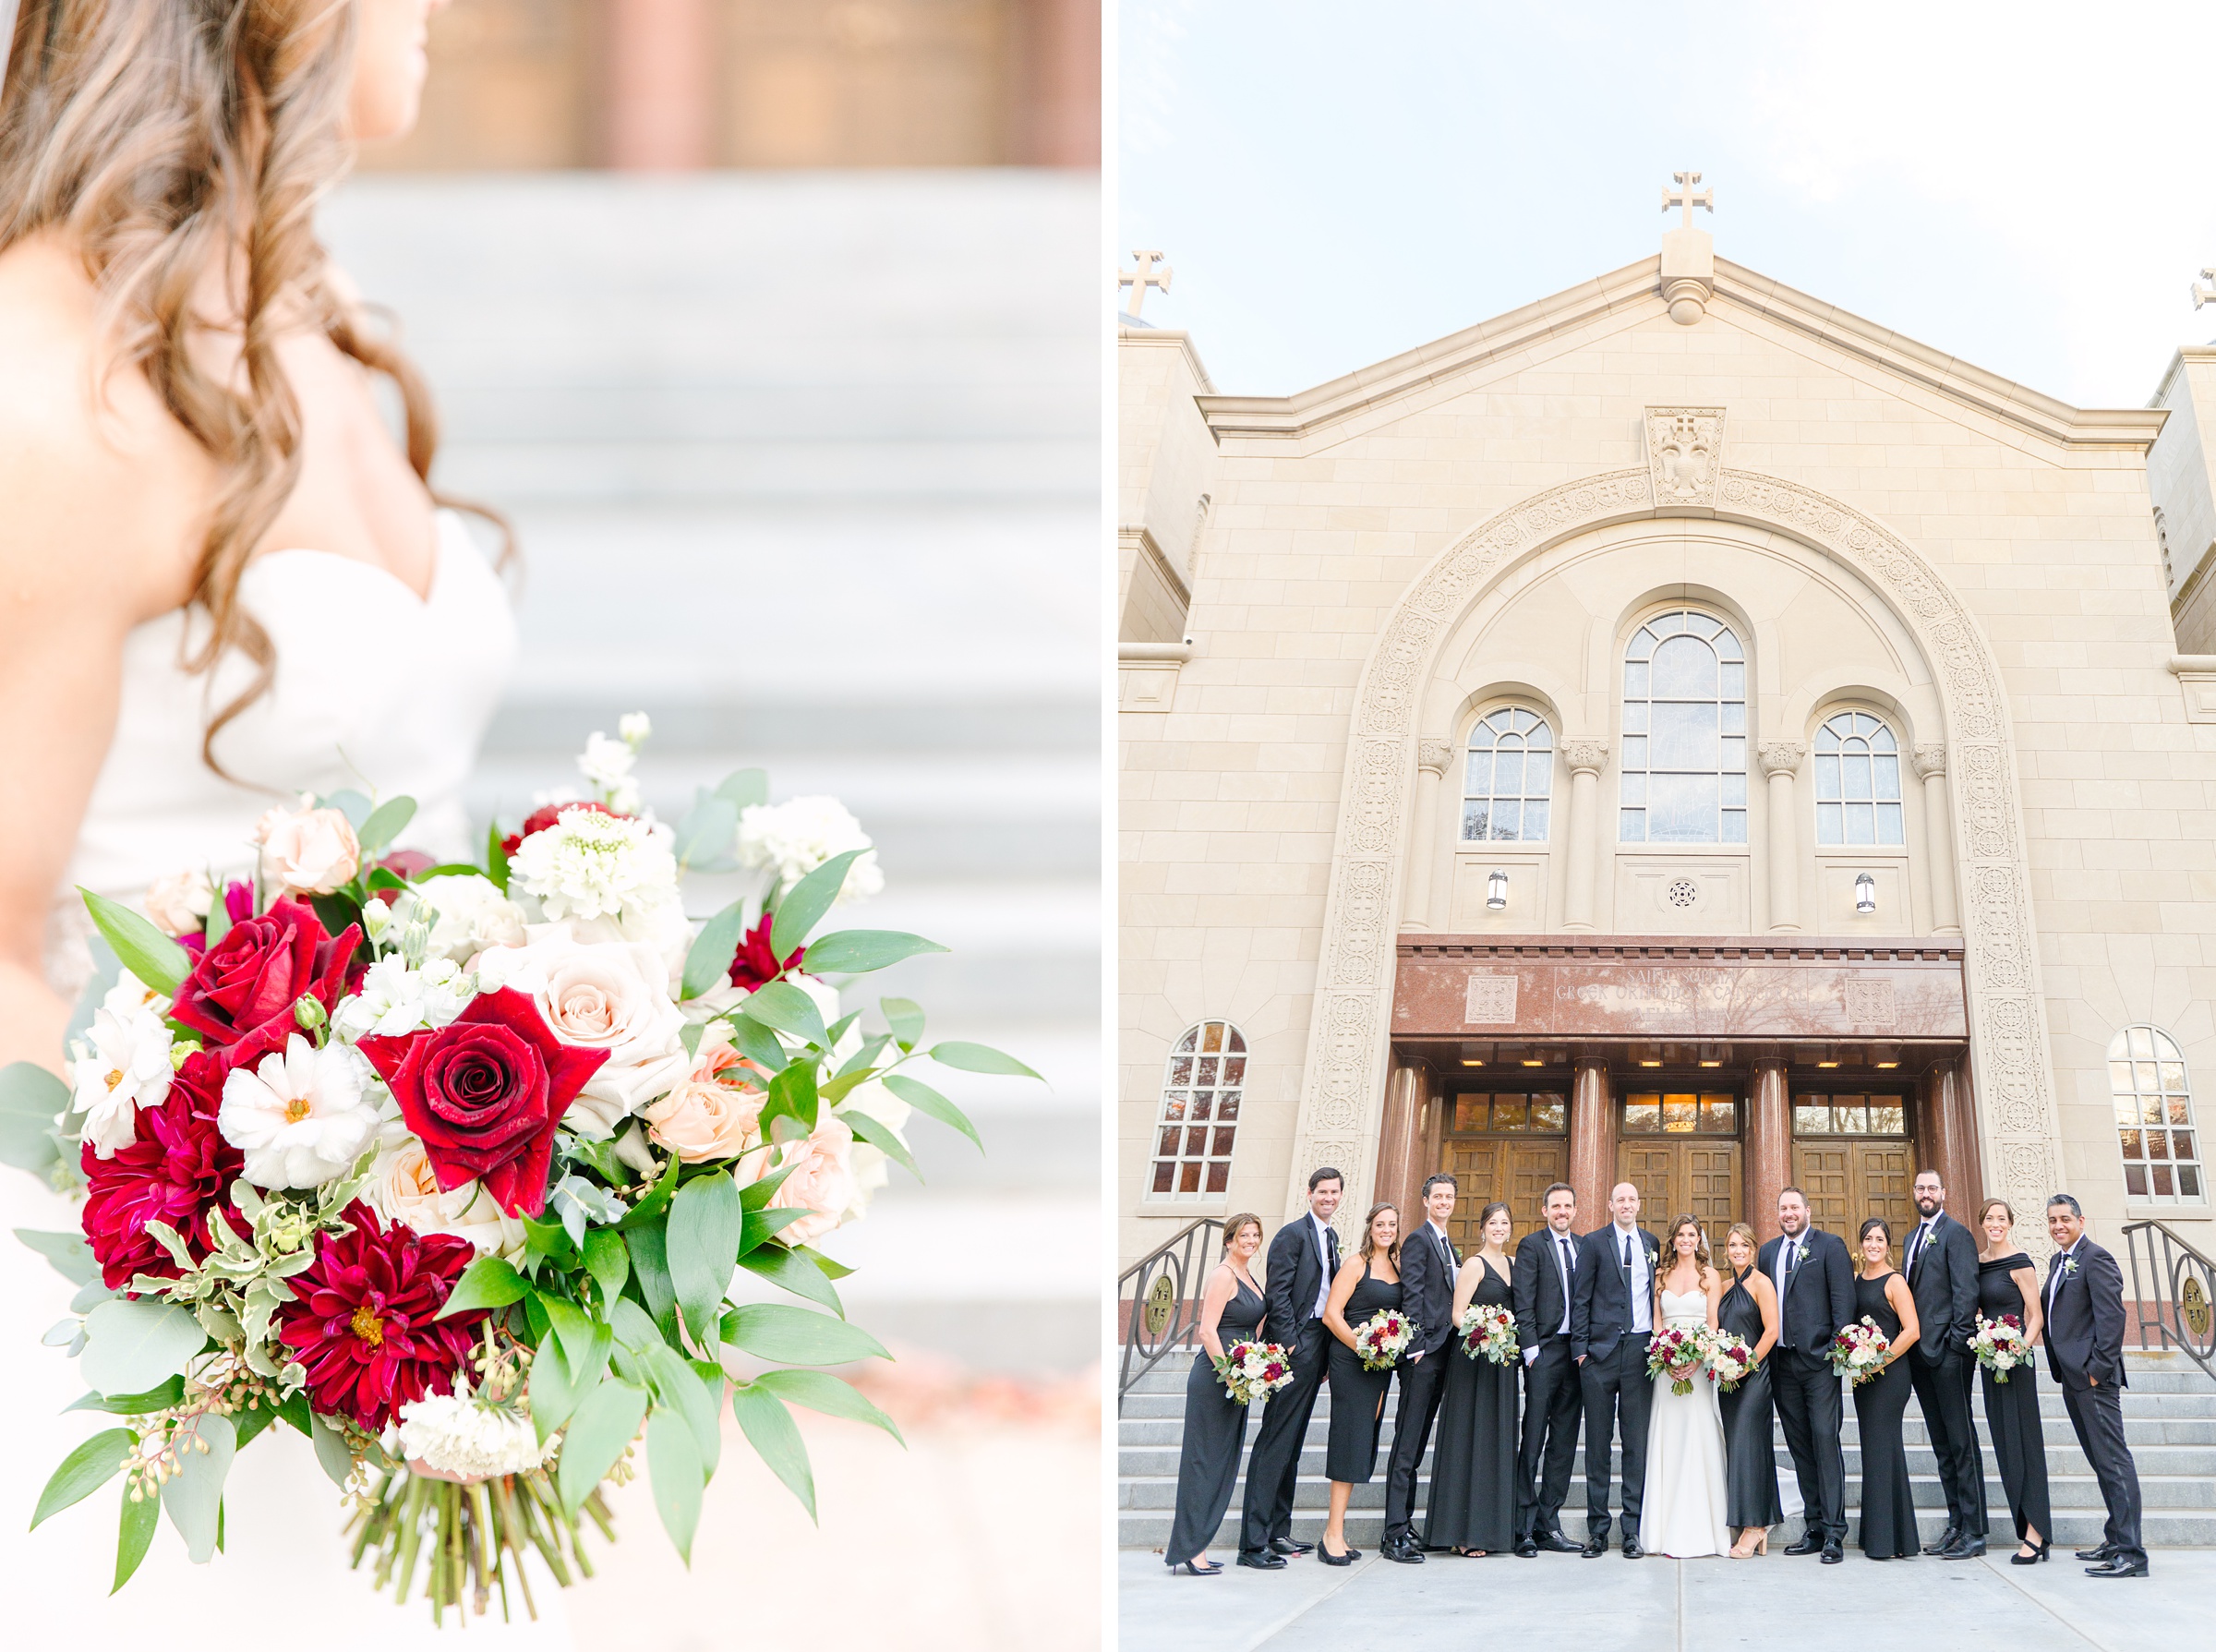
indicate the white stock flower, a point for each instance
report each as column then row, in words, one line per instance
column 302, row 1116
column 793, row 839
column 179, row 903
column 606, row 766
column 467, row 914
column 588, row 865
column 124, row 1067
column 395, row 999
column 404, row 1187
column 469, row 1439
column 611, row 996
column 636, row 727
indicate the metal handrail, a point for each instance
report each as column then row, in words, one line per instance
column 1161, row 1303
column 2183, row 1312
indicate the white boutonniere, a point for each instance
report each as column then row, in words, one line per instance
column 2069, row 1266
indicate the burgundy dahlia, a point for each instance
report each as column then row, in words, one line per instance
column 241, row 991
column 758, row 963
column 539, row 820
column 176, row 1169
column 365, row 1318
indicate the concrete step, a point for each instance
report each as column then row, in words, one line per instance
column 1166, row 1430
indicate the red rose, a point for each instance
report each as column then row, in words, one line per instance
column 364, row 1318
column 177, row 1170
column 539, row 820
column 484, row 1095
column 241, row 991
column 757, row 963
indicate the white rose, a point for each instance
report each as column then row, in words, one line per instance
column 794, row 838
column 302, row 1116
column 611, row 996
column 309, row 851
column 404, row 1187
column 588, row 865
column 179, row 904
column 467, row 913
column 125, row 1067
column 872, row 1166
column 658, row 923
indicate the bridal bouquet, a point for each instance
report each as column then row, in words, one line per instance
column 1677, row 1349
column 452, row 1168
column 2001, row 1346
column 1859, row 1352
column 1730, row 1360
column 1252, row 1371
column 1488, row 1330
column 1382, row 1338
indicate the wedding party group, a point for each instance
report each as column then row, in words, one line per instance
column 1677, row 1362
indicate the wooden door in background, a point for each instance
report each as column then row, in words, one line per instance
column 1848, row 1182
column 1681, row 1177
column 1515, row 1172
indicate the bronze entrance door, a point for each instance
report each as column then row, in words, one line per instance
column 1681, row 1150
column 1507, row 1148
column 1852, row 1157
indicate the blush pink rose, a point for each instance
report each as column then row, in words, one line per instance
column 714, row 1112
column 309, row 851
column 822, row 1179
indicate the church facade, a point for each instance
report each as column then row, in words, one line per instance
column 1680, row 732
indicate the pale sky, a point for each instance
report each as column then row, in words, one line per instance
column 2028, row 187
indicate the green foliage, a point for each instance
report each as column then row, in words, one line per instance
column 146, row 952
column 673, row 1460
column 137, row 1532
column 560, row 1385
column 649, row 1209
column 709, row 964
column 488, row 1282
column 606, row 1261
column 792, row 1094
column 764, row 1225
column 385, row 823
column 676, row 1382
column 496, row 858
column 31, row 1100
column 604, row 1423
column 796, row 1336
column 769, row 1430
column 744, row 787
column 801, row 908
column 754, row 1040
column 648, row 1245
column 71, row 1257
column 706, row 1225
column 819, row 1390
column 859, row 951
column 705, row 835
column 980, row 1058
column 905, row 1016
column 130, row 1346
column 789, row 1269
column 785, row 1006
column 171, row 1392
column 882, row 1136
column 193, row 1497
column 84, row 1471
column 929, row 1101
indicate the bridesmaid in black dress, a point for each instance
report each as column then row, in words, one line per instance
column 1215, row 1424
column 2008, row 1283
column 1367, row 1282
column 1748, row 1309
column 1888, row 1505
column 1473, row 1503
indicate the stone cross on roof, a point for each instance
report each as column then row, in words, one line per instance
column 2204, row 290
column 1151, row 273
column 1685, row 196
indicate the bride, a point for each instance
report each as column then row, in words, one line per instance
column 225, row 581
column 1684, row 1509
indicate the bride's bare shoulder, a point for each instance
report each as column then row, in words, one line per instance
column 102, row 485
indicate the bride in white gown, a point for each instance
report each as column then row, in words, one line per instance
column 166, row 508
column 1684, row 1507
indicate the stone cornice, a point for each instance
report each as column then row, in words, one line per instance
column 1685, row 948
column 1151, row 337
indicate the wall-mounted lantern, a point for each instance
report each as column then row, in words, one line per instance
column 1865, row 895
column 1496, row 892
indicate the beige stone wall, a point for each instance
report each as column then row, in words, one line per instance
column 1327, row 507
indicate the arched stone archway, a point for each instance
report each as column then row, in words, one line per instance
column 1350, row 1030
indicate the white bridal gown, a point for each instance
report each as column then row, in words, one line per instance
column 1683, row 1511
column 375, row 688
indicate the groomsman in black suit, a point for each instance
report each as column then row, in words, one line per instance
column 1303, row 1260
column 1543, row 1282
column 1816, row 1298
column 1428, row 1264
column 2085, row 1353
column 1941, row 1260
column 1611, row 1321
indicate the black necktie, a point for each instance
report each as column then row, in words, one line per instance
column 1631, row 1285
column 1923, row 1238
column 1446, row 1248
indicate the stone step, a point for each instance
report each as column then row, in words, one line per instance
column 1167, row 1430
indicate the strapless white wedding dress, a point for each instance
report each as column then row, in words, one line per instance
column 1683, row 1511
column 375, row 688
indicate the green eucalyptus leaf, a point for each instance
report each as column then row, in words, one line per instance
column 386, row 822
column 606, row 1421
column 31, row 1100
column 193, row 1497
column 979, row 1058
column 673, row 1460
column 929, row 1101
column 132, row 1346
column 819, row 1390
column 92, row 1464
column 859, row 951
column 171, row 1392
column 800, row 907
column 146, row 952
column 792, row 1094
column 706, row 1225
column 332, row 1454
column 709, row 962
column 354, row 805
column 744, row 788
column 71, row 1257
column 796, row 1336
column 135, row 1535
column 706, row 831
column 770, row 1430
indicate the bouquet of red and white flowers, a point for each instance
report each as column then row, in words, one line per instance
column 452, row 1167
column 1859, row 1352
column 1679, row 1353
column 1383, row 1337
column 1252, row 1371
column 1730, row 1360
column 1488, row 1330
column 2000, row 1344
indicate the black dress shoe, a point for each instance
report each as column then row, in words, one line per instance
column 1833, row 1554
column 1807, row 1543
column 1632, row 1550
column 1261, row 1559
column 1329, row 1559
column 1947, row 1539
column 1555, row 1543
column 1967, row 1547
column 1402, row 1550
column 1289, row 1547
column 2118, row 1568
column 1527, row 1549
column 1594, row 1548
column 2105, row 1552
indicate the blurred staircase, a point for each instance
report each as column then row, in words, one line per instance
column 2169, row 1421
column 806, row 466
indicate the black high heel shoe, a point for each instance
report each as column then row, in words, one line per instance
column 2021, row 1559
column 1213, row 1569
column 1329, row 1559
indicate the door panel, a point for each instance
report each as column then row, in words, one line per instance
column 1517, row 1172
column 1677, row 1179
column 1850, row 1181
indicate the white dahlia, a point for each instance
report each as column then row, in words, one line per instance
column 301, row 1117
column 125, row 1066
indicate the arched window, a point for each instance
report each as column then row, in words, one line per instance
column 1508, row 784
column 1858, row 781
column 2154, row 1116
column 1684, row 732
column 1201, row 1091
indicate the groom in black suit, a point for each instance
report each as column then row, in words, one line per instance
column 1816, row 1298
column 1543, row 1282
column 1303, row 1260
column 1611, row 1321
column 1428, row 1264
column 2085, row 1353
column 1941, row 1260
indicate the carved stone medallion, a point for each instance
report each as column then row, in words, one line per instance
column 1684, row 454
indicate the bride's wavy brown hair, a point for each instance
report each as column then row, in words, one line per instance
column 165, row 136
